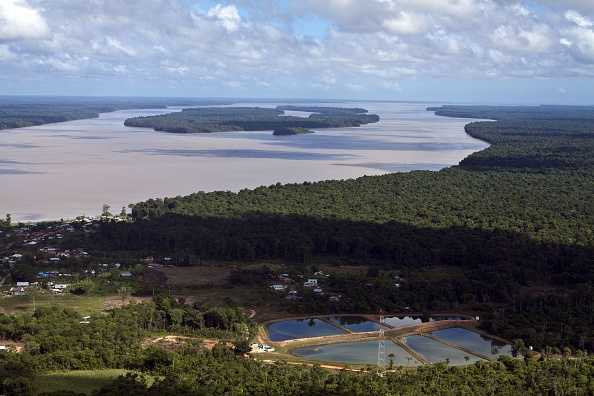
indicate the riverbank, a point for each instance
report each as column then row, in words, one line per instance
column 103, row 162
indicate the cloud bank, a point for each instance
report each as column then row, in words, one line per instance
column 290, row 48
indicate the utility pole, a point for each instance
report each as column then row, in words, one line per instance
column 381, row 349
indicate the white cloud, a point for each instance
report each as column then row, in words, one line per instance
column 227, row 15
column 519, row 10
column 536, row 40
column 578, row 19
column 62, row 64
column 252, row 44
column 578, row 39
column 6, row 55
column 584, row 6
column 566, row 42
column 112, row 47
column 583, row 48
column 19, row 21
column 120, row 69
column 407, row 23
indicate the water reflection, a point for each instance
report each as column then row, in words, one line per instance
column 355, row 323
column 300, row 328
column 364, row 352
column 474, row 341
column 245, row 154
column 436, row 352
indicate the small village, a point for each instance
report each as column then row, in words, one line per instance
column 34, row 260
column 40, row 258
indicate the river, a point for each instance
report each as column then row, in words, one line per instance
column 69, row 169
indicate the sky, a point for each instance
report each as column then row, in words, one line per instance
column 461, row 51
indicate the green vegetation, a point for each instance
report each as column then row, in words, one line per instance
column 80, row 381
column 25, row 111
column 507, row 235
column 220, row 372
column 291, row 131
column 513, row 222
column 226, row 119
column 84, row 305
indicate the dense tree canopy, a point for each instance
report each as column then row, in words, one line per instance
column 510, row 217
column 25, row 111
column 508, row 233
column 225, row 119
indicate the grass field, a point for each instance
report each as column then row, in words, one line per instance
column 85, row 381
column 86, row 305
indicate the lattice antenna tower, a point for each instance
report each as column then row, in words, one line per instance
column 381, row 349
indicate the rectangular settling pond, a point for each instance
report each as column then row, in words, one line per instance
column 357, row 324
column 402, row 321
column 300, row 328
column 474, row 341
column 435, row 351
column 364, row 352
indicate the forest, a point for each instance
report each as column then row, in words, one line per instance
column 227, row 119
column 56, row 340
column 514, row 221
column 26, row 111
column 506, row 234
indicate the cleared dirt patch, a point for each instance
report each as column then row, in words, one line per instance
column 173, row 343
column 195, row 276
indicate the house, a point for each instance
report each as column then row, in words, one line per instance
column 17, row 291
column 278, row 287
column 311, row 283
column 259, row 348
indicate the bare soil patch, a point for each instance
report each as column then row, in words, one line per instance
column 114, row 302
column 173, row 343
column 195, row 276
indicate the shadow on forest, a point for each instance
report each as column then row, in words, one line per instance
column 503, row 260
column 449, row 268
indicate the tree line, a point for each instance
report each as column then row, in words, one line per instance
column 55, row 339
column 226, row 119
column 27, row 111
